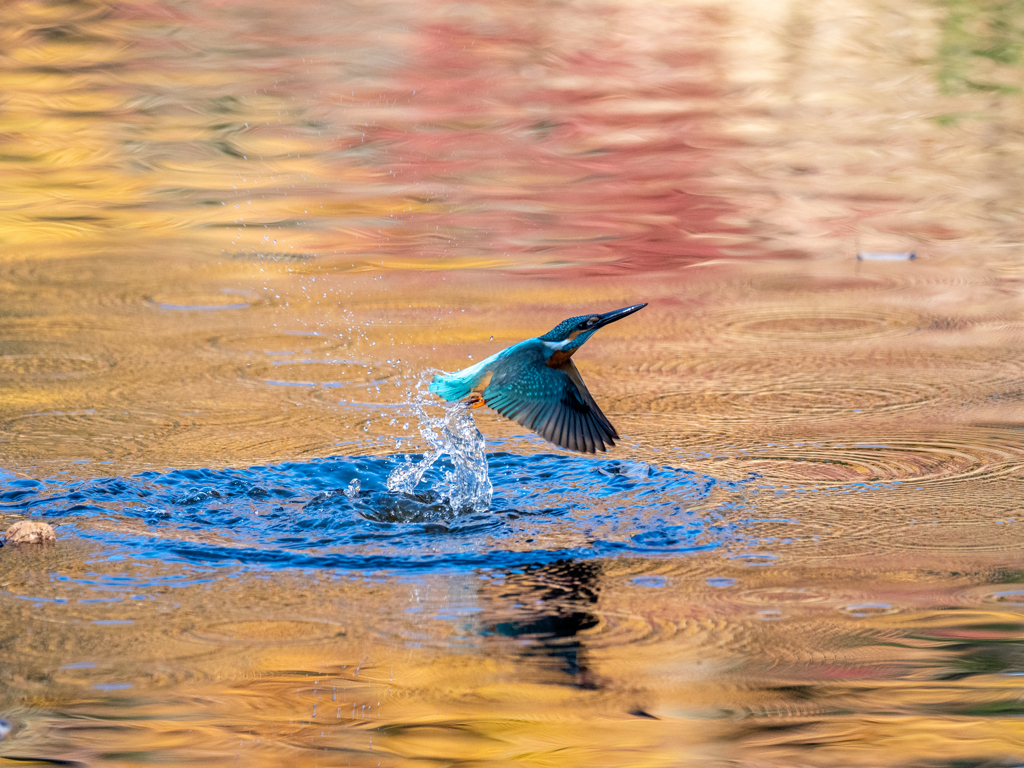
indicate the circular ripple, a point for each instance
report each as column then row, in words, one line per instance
column 782, row 596
column 35, row 367
column 204, row 301
column 302, row 358
column 827, row 283
column 90, row 424
column 268, row 632
column 868, row 610
column 820, row 325
column 143, row 433
column 94, row 284
column 803, row 400
column 327, row 372
column 980, row 455
column 618, row 630
column 90, row 434
column 867, row 276
column 962, row 371
column 286, row 344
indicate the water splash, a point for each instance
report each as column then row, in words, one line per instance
column 466, row 487
column 309, row 514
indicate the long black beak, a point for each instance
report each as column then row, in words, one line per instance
column 618, row 314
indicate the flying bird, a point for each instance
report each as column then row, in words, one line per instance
column 536, row 384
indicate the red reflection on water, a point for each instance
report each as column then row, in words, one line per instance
column 589, row 150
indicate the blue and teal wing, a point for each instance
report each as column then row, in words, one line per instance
column 554, row 402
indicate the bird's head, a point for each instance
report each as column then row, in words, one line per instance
column 569, row 335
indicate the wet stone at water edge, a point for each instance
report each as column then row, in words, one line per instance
column 29, row 532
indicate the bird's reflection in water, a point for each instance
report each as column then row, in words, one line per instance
column 546, row 607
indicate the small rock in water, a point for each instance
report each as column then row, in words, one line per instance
column 882, row 256
column 29, row 532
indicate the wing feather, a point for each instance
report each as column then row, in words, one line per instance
column 597, row 434
column 551, row 422
column 551, row 426
column 552, row 401
column 529, row 417
column 555, row 423
column 590, row 414
column 564, row 433
column 583, row 438
column 517, row 408
column 586, row 437
column 587, row 434
column 542, row 421
column 603, row 430
column 573, row 437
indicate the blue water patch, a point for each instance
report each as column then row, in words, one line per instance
column 650, row 582
column 112, row 686
column 720, row 581
column 338, row 513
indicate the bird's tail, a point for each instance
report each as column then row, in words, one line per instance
column 449, row 387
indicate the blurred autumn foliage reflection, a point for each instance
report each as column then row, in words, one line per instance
column 236, row 233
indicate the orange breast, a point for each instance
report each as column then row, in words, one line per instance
column 559, row 358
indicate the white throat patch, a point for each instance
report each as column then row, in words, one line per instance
column 558, row 346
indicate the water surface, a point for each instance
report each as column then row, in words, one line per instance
column 234, row 237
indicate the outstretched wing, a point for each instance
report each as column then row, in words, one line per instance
column 554, row 402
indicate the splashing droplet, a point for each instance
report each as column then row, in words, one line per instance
column 466, row 487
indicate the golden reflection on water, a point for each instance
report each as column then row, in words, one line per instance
column 236, row 233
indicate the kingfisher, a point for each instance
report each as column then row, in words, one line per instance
column 536, row 384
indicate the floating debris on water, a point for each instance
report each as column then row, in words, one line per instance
column 884, row 256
